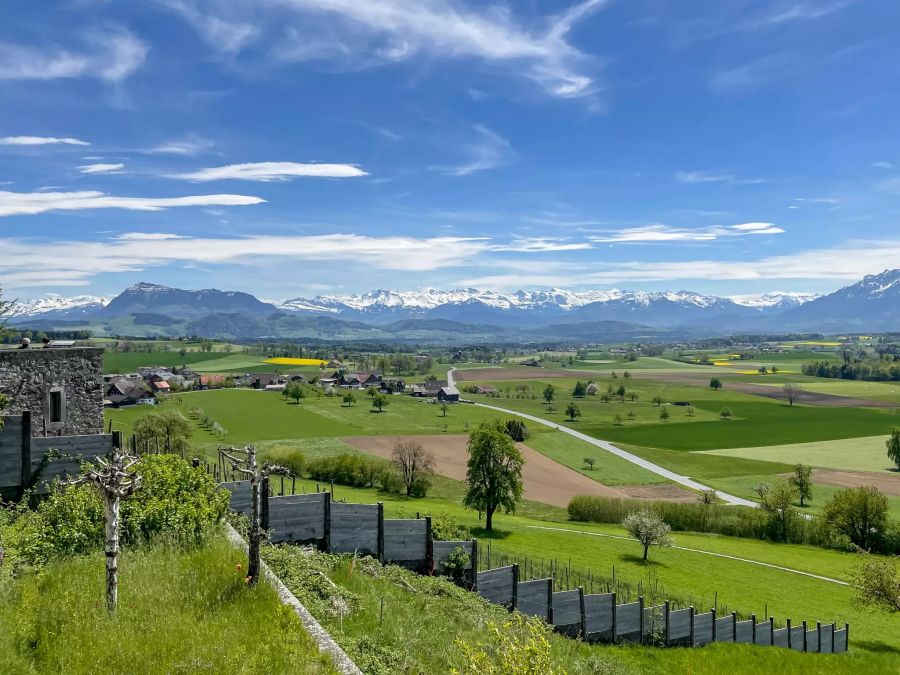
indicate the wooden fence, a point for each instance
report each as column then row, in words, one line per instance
column 25, row 459
column 338, row 527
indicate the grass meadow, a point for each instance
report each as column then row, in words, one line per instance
column 179, row 612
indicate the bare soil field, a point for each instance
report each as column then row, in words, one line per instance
column 545, row 480
column 804, row 397
column 889, row 485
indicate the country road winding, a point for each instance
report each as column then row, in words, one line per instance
column 624, row 454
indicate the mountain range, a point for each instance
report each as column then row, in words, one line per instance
column 873, row 304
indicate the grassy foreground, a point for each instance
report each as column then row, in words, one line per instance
column 179, row 612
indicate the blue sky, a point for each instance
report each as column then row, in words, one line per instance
column 298, row 147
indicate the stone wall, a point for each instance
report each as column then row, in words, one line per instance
column 73, row 376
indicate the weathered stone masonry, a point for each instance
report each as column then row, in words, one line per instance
column 63, row 388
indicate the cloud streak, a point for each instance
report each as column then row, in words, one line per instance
column 656, row 233
column 40, row 140
column 110, row 54
column 269, row 172
column 33, row 203
column 488, row 151
column 701, row 177
column 101, row 168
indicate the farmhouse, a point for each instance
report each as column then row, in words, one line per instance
column 359, row 380
column 62, row 388
column 448, row 395
column 485, row 389
column 534, row 363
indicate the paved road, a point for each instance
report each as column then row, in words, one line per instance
column 624, row 454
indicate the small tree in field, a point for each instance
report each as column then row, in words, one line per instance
column 444, row 409
column 725, row 414
column 893, row 446
column 493, row 473
column 295, row 391
column 348, row 397
column 708, row 496
column 380, row 401
column 243, row 460
column 715, row 383
column 802, row 482
column 791, row 393
column 516, row 430
column 664, row 415
column 590, row 462
column 690, row 411
column 617, row 420
column 860, row 514
column 115, row 482
column 413, row 463
column 549, row 394
column 657, row 401
column 572, row 411
column 877, row 584
column 648, row 528
column 580, row 390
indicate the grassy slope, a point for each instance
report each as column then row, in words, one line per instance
column 178, row 613
column 852, row 454
column 128, row 362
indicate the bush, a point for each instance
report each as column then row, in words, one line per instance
column 347, row 469
column 445, row 527
column 293, row 460
column 516, row 430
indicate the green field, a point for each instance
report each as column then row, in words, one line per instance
column 851, row 454
column 128, row 362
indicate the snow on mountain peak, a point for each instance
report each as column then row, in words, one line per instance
column 53, row 302
column 783, row 299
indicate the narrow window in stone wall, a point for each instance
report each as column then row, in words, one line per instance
column 56, row 412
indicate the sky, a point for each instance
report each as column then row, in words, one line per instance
column 302, row 147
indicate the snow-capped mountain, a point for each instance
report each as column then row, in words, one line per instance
column 870, row 304
column 779, row 299
column 58, row 306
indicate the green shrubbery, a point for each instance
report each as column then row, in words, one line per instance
column 354, row 470
column 176, row 500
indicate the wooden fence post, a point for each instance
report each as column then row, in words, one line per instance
column 641, row 616
column 550, row 602
column 515, row 573
column 264, row 504
column 805, row 645
column 692, row 626
column 327, row 537
column 614, row 616
column 715, row 632
column 847, row 628
column 789, row 632
column 819, row 636
column 25, row 470
column 734, row 627
column 380, row 545
column 667, row 622
column 475, row 565
column 117, row 439
column 429, row 546
column 772, row 630
column 583, row 613
column 753, row 619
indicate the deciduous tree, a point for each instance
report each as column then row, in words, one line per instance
column 580, row 390
column 549, row 394
column 413, row 463
column 791, row 392
column 860, row 514
column 494, row 472
column 380, row 401
column 648, row 528
column 715, row 383
column 893, row 446
column 876, row 583
column 802, row 482
column 572, row 411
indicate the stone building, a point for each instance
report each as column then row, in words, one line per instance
column 63, row 388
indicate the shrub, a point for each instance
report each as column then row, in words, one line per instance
column 516, row 430
column 445, row 527
column 294, row 460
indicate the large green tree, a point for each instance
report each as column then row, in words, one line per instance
column 893, row 446
column 860, row 514
column 168, row 428
column 494, row 471
column 802, row 483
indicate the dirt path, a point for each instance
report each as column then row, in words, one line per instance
column 546, row 481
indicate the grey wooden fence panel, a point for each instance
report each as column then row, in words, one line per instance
column 725, row 629
column 567, row 608
column 78, row 448
column 827, row 644
column 655, row 620
column 679, row 624
column 405, row 540
column 496, row 585
column 598, row 611
column 812, row 641
column 764, row 633
column 533, row 597
column 443, row 549
column 744, row 631
column 11, row 451
column 628, row 620
column 840, row 640
column 780, row 637
column 297, row 518
column 797, row 638
column 354, row 528
column 703, row 628
column 240, row 495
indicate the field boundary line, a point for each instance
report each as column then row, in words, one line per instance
column 342, row 663
column 701, row 551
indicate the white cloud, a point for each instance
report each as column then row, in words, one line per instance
column 32, row 203
column 488, row 151
column 266, row 172
column 32, row 264
column 362, row 34
column 192, row 145
column 541, row 245
column 831, row 201
column 657, row 232
column 40, row 140
column 101, row 168
column 800, row 11
column 110, row 54
column 699, row 177
column 882, row 165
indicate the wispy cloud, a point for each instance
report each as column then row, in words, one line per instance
column 110, row 54
column 74, row 262
column 699, row 177
column 656, row 232
column 33, row 203
column 830, row 201
column 189, row 146
column 541, row 245
column 361, row 34
column 268, row 172
column 798, row 11
column 488, row 151
column 101, row 168
column 882, row 165
column 40, row 140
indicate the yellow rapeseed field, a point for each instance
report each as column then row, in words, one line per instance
column 296, row 362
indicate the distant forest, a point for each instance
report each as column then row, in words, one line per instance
column 870, row 371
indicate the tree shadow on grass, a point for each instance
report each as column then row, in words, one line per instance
column 874, row 646
column 639, row 560
column 481, row 533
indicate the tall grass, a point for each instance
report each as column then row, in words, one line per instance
column 179, row 612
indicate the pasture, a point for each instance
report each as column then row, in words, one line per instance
column 128, row 362
column 852, row 454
